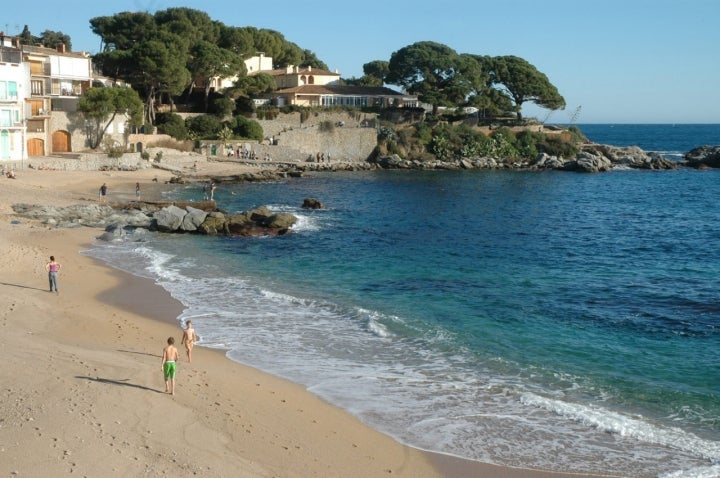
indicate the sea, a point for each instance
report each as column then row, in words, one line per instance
column 544, row 320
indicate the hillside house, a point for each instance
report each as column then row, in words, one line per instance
column 343, row 95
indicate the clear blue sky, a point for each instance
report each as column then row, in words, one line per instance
column 621, row 61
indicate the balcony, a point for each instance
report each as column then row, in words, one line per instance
column 10, row 55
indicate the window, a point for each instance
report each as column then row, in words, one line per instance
column 8, row 90
column 36, row 68
column 35, row 126
column 36, row 108
column 5, row 118
column 36, row 87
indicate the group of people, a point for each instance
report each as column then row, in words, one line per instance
column 319, row 158
column 102, row 192
column 211, row 189
column 170, row 354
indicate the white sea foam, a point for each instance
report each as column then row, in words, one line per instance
column 406, row 379
column 626, row 426
column 712, row 471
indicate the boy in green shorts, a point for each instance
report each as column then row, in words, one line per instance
column 169, row 362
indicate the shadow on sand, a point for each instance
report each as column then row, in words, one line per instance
column 23, row 286
column 124, row 383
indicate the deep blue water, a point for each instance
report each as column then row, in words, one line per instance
column 548, row 320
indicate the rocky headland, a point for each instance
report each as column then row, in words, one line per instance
column 132, row 219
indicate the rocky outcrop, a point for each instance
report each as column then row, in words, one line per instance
column 90, row 215
column 260, row 221
column 312, row 203
column 703, row 157
column 214, row 223
column 592, row 158
column 133, row 224
column 169, row 219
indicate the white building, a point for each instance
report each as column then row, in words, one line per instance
column 255, row 64
column 14, row 83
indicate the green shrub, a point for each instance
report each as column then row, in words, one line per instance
column 528, row 143
column 246, row 128
column 171, row 124
column 221, row 107
column 555, row 146
column 113, row 148
column 204, row 126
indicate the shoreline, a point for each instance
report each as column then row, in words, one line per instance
column 102, row 395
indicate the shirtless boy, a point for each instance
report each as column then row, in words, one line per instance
column 189, row 338
column 169, row 363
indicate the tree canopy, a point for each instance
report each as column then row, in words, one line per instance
column 101, row 105
column 442, row 77
column 48, row 39
column 174, row 50
column 522, row 82
column 432, row 71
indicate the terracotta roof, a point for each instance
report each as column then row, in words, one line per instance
column 301, row 71
column 342, row 90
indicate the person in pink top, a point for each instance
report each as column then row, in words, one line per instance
column 53, row 269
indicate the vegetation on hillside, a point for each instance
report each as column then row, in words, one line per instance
column 168, row 54
column 446, row 141
column 170, row 58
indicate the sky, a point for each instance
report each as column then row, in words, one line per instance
column 630, row 61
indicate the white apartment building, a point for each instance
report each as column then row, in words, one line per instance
column 14, row 83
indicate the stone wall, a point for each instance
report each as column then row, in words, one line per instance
column 351, row 138
column 88, row 162
column 296, row 140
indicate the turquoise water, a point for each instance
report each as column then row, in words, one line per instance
column 548, row 320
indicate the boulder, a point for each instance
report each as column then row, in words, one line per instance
column 123, row 232
column 260, row 222
column 193, row 219
column 589, row 163
column 169, row 219
column 214, row 223
column 312, row 203
column 281, row 220
column 703, row 157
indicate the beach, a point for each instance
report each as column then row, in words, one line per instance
column 82, row 386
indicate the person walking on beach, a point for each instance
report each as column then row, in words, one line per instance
column 188, row 340
column 103, row 192
column 169, row 365
column 137, row 190
column 53, row 269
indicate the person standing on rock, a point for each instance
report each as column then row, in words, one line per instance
column 53, row 269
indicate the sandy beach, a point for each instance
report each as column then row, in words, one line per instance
column 82, row 388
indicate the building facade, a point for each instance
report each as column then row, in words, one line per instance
column 14, row 78
column 345, row 96
column 57, row 80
